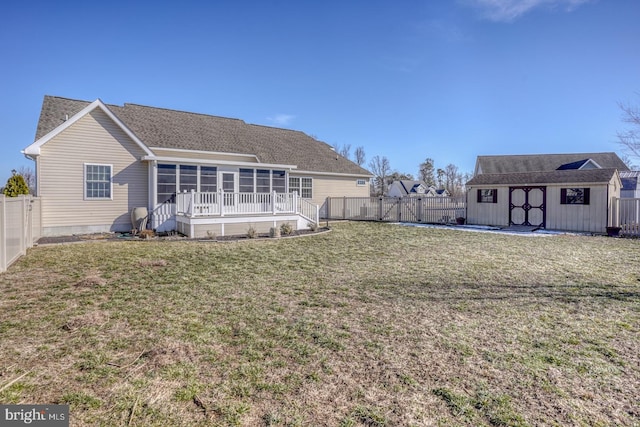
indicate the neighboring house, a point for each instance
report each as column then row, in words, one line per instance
column 195, row 173
column 572, row 192
column 630, row 184
column 410, row 188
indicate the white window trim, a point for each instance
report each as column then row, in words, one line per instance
column 299, row 189
column 84, row 181
column 361, row 182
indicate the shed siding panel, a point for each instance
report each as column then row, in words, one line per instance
column 488, row 213
column 95, row 138
column 589, row 218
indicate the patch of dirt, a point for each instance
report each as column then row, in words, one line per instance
column 91, row 282
column 169, row 355
column 94, row 318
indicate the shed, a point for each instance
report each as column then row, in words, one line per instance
column 572, row 192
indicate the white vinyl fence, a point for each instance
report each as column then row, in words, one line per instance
column 20, row 227
column 626, row 215
column 437, row 210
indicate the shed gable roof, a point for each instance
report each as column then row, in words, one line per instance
column 172, row 129
column 569, row 176
column 545, row 162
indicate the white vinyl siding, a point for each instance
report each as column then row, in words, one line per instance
column 61, row 169
column 331, row 186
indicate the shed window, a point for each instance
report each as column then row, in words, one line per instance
column 487, row 196
column 97, row 181
column 574, row 196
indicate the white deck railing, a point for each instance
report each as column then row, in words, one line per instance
column 196, row 204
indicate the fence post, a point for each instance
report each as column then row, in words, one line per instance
column 23, row 240
column 3, row 233
column 380, row 208
column 419, row 215
column 344, row 207
column 328, row 203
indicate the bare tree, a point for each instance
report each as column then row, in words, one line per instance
column 426, row 172
column 630, row 137
column 380, row 168
column 344, row 151
column 360, row 157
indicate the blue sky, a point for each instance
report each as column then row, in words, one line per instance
column 407, row 80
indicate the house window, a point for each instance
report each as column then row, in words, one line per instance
column 208, row 179
column 97, row 181
column 188, row 178
column 487, row 196
column 574, row 196
column 263, row 181
column 246, row 181
column 279, row 181
column 166, row 183
column 303, row 186
column 361, row 183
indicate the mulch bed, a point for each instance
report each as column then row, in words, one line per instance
column 77, row 238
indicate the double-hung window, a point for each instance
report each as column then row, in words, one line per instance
column 97, row 181
column 303, row 186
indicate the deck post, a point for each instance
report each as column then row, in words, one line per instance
column 221, row 201
column 273, row 202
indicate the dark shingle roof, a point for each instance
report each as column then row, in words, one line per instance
column 550, row 177
column 545, row 162
column 164, row 128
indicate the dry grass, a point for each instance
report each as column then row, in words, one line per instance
column 371, row 324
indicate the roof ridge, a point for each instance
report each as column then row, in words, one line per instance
column 132, row 104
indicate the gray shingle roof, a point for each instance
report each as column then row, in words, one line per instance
column 544, row 162
column 164, row 128
column 549, row 177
